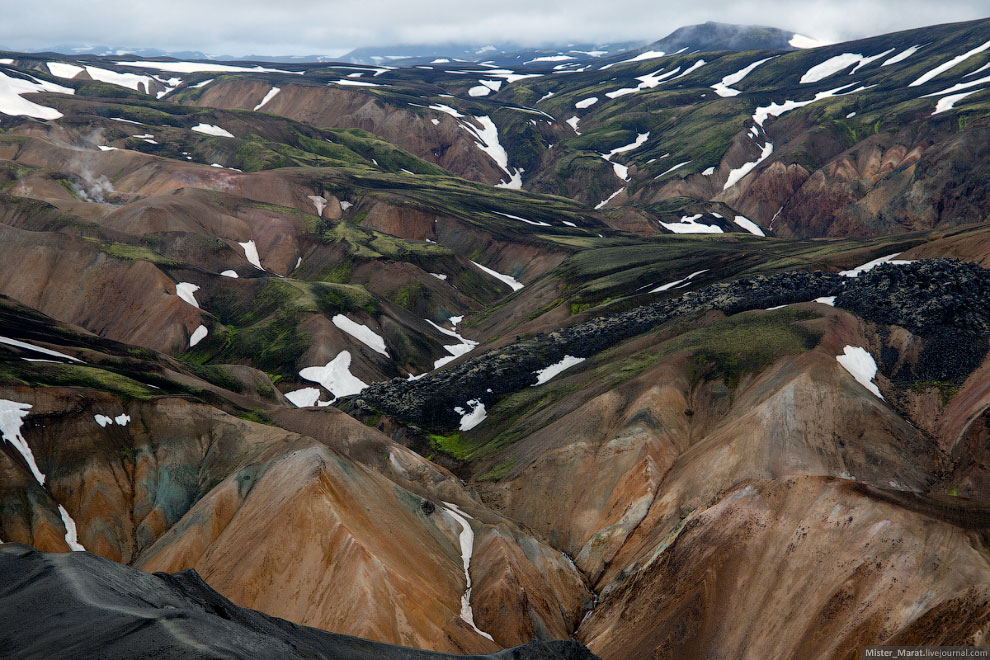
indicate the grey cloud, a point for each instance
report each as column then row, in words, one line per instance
column 333, row 27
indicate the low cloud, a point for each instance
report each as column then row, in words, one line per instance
column 297, row 27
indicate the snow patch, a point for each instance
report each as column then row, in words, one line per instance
column 319, row 202
column 229, row 273
column 251, row 254
column 335, row 376
column 648, row 55
column 545, row 374
column 11, row 102
column 210, row 129
column 690, row 225
column 801, row 41
column 185, row 290
column 586, row 103
column 472, row 416
column 362, row 333
column 198, row 335
column 675, row 167
column 304, row 398
column 649, row 81
column 749, row 225
column 861, row 365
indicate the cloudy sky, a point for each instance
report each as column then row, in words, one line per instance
column 297, row 27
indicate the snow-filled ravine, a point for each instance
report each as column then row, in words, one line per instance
column 12, row 416
column 545, row 374
column 466, row 538
column 861, row 365
column 486, row 139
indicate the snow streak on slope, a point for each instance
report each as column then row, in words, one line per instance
column 942, row 68
column 649, row 81
column 466, row 539
column 516, row 217
column 684, row 282
column 37, row 349
column 622, row 171
column 870, row 265
column 948, row 102
column 12, row 416
column 903, row 55
column 545, row 374
column 858, row 362
column 362, row 333
column 268, row 97
column 739, row 172
column 838, row 63
column 513, row 283
column 724, row 88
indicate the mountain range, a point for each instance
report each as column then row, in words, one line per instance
column 670, row 350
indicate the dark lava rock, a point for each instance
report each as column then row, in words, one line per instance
column 942, row 300
column 80, row 605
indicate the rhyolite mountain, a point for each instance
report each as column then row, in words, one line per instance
column 674, row 355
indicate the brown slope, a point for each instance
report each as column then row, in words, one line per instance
column 445, row 143
column 805, row 567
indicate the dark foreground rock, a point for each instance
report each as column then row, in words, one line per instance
column 79, row 605
column 941, row 300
